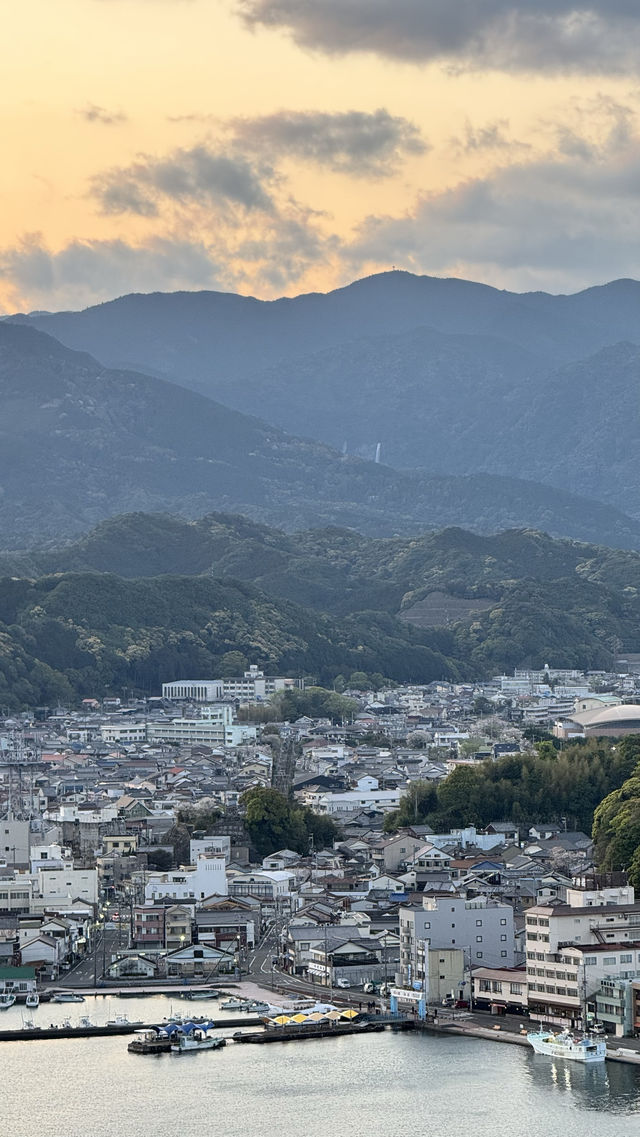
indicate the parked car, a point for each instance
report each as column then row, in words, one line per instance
column 342, row 983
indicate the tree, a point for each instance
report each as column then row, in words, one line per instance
column 416, row 805
column 180, row 838
column 160, row 859
column 274, row 822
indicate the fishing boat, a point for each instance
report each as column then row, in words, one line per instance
column 84, row 1023
column 149, row 1041
column 6, row 1000
column 196, row 1040
column 33, row 999
column 257, row 1007
column 67, row 997
column 578, row 1046
column 197, row 995
column 234, row 1005
column 122, row 1020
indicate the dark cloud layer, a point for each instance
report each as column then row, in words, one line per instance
column 353, row 142
column 550, row 35
column 198, row 175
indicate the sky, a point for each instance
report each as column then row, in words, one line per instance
column 272, row 147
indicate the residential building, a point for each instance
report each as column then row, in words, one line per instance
column 483, row 928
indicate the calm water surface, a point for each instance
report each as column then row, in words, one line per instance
column 382, row 1086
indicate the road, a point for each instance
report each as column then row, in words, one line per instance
column 263, row 970
column 90, row 966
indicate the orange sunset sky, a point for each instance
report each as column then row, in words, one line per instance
column 277, row 146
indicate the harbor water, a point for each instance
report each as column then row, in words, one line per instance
column 378, row 1086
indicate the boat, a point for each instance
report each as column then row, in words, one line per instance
column 149, row 1041
column 234, row 1005
column 67, row 997
column 84, row 1023
column 33, row 999
column 6, row 1000
column 578, row 1046
column 257, row 1007
column 193, row 995
column 122, row 1020
column 196, row 1040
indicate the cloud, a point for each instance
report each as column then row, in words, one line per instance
column 549, row 35
column 199, row 175
column 93, row 113
column 566, row 217
column 491, row 136
column 353, row 142
column 83, row 272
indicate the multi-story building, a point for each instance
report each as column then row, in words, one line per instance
column 197, row 882
column 482, row 928
column 14, row 842
column 214, row 727
column 251, row 687
column 572, row 947
column 148, row 926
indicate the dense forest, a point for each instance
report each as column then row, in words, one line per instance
column 548, row 785
column 147, row 598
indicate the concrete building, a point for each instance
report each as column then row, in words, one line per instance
column 483, row 928
column 194, row 690
column 206, row 878
column 14, row 842
column 214, row 727
column 220, row 846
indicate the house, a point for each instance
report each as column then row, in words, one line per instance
column 199, row 962
column 17, row 980
column 133, row 966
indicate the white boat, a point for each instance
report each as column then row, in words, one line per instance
column 33, row 999
column 67, row 997
column 257, row 1007
column 122, row 1020
column 6, row 1001
column 576, row 1046
column 234, row 1005
column 84, row 1022
column 196, row 1040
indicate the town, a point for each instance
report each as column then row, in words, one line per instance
column 128, row 853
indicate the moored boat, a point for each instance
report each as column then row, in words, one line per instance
column 122, row 1020
column 6, row 1000
column 196, row 1040
column 67, row 997
column 149, row 1041
column 234, row 1005
column 575, row 1045
column 33, row 999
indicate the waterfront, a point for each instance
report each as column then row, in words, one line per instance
column 382, row 1086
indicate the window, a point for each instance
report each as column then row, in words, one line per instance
column 478, row 939
column 478, row 923
column 609, row 960
column 503, row 938
column 626, row 959
column 478, row 955
column 503, row 954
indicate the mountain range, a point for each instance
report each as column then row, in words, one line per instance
column 143, row 599
column 448, row 376
column 81, row 442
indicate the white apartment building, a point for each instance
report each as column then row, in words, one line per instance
column 482, row 928
column 58, row 888
column 16, row 894
column 219, row 846
column 251, row 687
column 208, row 877
column 125, row 731
column 194, row 690
column 215, row 727
column 571, row 947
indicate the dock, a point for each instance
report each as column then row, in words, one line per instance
column 302, row 1033
column 47, row 1033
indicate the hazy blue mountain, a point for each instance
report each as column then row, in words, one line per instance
column 450, row 376
column 80, row 442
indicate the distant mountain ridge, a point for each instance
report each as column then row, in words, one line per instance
column 80, row 442
column 450, row 376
